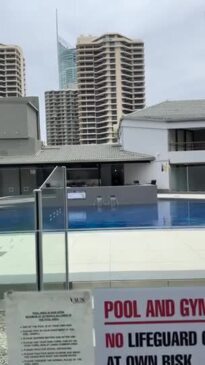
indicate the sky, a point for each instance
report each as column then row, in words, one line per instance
column 173, row 32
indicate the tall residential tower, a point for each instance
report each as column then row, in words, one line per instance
column 12, row 71
column 62, row 117
column 111, row 83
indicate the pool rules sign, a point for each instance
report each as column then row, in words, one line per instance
column 158, row 326
column 49, row 328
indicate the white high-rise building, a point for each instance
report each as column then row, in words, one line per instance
column 12, row 71
column 62, row 117
column 111, row 83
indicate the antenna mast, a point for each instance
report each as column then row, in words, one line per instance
column 57, row 43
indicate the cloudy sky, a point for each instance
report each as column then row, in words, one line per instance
column 173, row 32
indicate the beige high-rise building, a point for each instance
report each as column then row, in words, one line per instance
column 62, row 117
column 111, row 83
column 12, row 71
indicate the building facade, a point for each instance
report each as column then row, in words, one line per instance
column 12, row 71
column 174, row 133
column 66, row 66
column 111, row 83
column 62, row 117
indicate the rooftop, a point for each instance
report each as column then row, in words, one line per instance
column 77, row 153
column 30, row 100
column 172, row 111
column 95, row 39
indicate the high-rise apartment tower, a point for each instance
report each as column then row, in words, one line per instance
column 62, row 117
column 12, row 71
column 66, row 66
column 111, row 83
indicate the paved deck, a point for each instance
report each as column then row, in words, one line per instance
column 106, row 255
column 194, row 196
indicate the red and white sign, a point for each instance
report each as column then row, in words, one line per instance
column 158, row 326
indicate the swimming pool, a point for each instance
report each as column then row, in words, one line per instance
column 173, row 213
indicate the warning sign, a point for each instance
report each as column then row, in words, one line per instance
column 161, row 326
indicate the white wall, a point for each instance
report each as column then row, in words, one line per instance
column 186, row 157
column 145, row 172
column 149, row 141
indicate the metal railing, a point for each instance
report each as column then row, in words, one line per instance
column 187, row 146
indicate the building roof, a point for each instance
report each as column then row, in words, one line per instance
column 84, row 39
column 75, row 154
column 171, row 111
column 32, row 101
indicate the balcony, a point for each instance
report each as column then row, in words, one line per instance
column 187, row 146
column 187, row 152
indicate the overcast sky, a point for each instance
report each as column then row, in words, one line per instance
column 173, row 32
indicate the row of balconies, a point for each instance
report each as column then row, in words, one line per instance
column 134, row 98
column 132, row 55
column 132, row 52
column 66, row 109
column 61, row 93
column 98, row 130
column 131, row 91
column 11, row 72
column 55, row 113
column 9, row 79
column 109, row 108
column 15, row 75
column 65, row 105
column 132, row 67
column 61, row 117
column 67, row 101
column 91, row 70
column 97, row 107
column 60, row 101
column 88, row 93
column 88, row 99
column 7, row 67
column 107, row 68
column 131, row 62
column 10, row 94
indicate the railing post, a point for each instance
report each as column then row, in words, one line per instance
column 66, row 229
column 38, row 238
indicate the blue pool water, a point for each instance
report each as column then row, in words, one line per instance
column 177, row 213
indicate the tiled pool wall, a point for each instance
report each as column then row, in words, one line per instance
column 122, row 195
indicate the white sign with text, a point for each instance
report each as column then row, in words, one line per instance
column 49, row 328
column 157, row 326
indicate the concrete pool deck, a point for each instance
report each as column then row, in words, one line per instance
column 104, row 256
column 190, row 196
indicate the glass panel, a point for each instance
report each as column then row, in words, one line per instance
column 17, row 273
column 53, row 260
column 178, row 178
column 17, row 262
column 13, row 211
column 54, row 228
column 196, row 178
column 53, row 201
